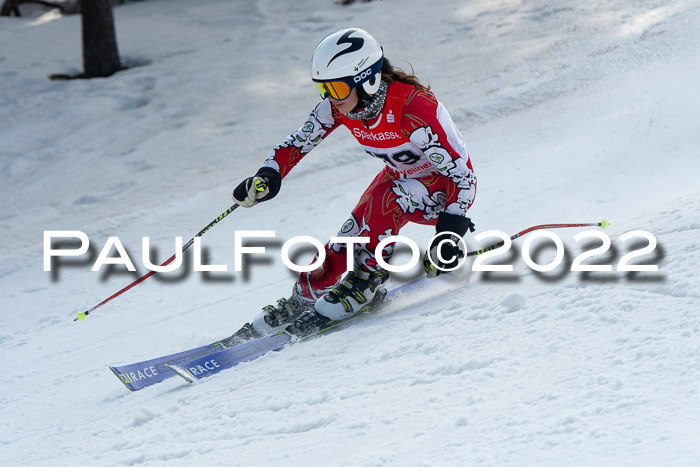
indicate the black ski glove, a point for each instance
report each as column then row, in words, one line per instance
column 445, row 245
column 264, row 185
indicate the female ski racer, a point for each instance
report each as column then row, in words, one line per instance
column 428, row 179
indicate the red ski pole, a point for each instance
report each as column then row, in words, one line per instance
column 601, row 224
column 81, row 316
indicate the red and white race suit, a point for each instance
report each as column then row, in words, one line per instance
column 427, row 171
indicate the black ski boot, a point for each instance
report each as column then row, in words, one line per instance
column 355, row 292
column 245, row 334
column 308, row 323
column 287, row 311
column 272, row 319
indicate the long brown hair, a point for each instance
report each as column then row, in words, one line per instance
column 390, row 74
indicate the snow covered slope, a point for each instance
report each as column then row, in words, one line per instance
column 573, row 112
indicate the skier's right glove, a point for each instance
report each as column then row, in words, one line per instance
column 264, row 185
column 445, row 248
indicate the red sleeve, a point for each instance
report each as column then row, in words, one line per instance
column 322, row 121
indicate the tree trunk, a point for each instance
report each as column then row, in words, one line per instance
column 100, row 54
column 9, row 7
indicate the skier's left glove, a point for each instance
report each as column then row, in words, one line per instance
column 445, row 249
column 263, row 186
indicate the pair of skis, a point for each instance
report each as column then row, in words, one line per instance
column 201, row 362
column 198, row 363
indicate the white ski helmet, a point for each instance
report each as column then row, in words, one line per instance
column 345, row 60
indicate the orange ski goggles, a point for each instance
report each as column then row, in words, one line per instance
column 340, row 89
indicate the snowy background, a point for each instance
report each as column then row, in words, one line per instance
column 572, row 111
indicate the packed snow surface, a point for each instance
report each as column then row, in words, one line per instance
column 572, row 112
